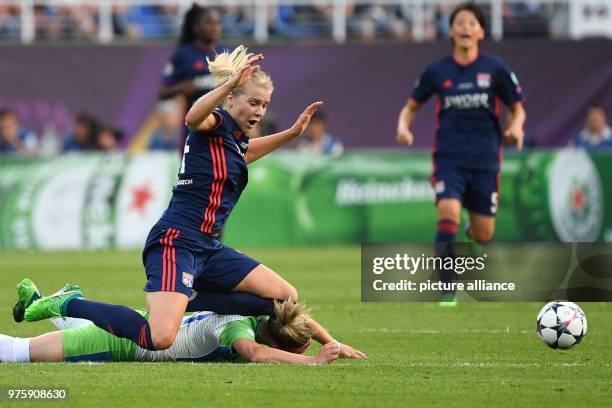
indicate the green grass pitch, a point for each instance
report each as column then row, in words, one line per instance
column 476, row 354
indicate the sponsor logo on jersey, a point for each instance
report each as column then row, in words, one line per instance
column 483, row 79
column 185, row 182
column 199, row 65
column 188, row 279
column 466, row 101
column 448, row 84
column 465, row 85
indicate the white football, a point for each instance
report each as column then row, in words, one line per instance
column 561, row 324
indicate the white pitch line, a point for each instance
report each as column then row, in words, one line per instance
column 506, row 330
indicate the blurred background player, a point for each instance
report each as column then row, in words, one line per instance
column 467, row 151
column 596, row 133
column 318, row 140
column 187, row 73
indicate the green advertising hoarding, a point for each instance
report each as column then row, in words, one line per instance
column 110, row 201
column 387, row 197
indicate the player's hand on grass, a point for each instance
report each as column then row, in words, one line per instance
column 303, row 120
column 515, row 134
column 241, row 77
column 347, row 351
column 405, row 137
column 328, row 353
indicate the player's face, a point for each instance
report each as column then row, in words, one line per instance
column 209, row 27
column 249, row 108
column 466, row 31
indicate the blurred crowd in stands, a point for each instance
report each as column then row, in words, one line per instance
column 364, row 22
column 88, row 134
column 165, row 130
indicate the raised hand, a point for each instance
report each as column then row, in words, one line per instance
column 241, row 77
column 303, row 120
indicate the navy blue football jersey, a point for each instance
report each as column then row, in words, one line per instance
column 468, row 107
column 212, row 177
column 189, row 63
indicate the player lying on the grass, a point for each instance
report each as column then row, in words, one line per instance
column 203, row 336
column 28, row 293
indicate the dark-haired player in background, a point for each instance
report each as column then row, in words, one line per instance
column 187, row 73
column 468, row 145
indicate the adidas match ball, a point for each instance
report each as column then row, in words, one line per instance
column 561, row 324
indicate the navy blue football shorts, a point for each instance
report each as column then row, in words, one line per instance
column 177, row 263
column 478, row 190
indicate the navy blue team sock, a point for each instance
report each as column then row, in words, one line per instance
column 445, row 243
column 245, row 304
column 118, row 320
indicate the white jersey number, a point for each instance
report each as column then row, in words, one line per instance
column 183, row 163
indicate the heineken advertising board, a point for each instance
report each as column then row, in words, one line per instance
column 111, row 201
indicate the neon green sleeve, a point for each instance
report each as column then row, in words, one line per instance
column 90, row 343
column 238, row 329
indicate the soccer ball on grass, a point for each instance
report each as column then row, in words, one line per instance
column 561, row 324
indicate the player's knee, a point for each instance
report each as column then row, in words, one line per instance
column 483, row 235
column 163, row 339
column 448, row 214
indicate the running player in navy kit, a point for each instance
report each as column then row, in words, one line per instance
column 182, row 252
column 467, row 151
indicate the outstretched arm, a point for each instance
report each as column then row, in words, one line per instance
column 404, row 122
column 261, row 146
column 256, row 353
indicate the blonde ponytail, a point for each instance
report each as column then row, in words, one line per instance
column 226, row 65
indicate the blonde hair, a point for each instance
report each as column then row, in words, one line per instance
column 289, row 327
column 226, row 65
